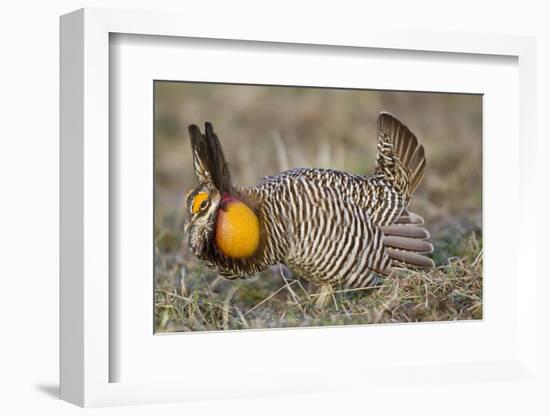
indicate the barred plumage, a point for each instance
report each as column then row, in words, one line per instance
column 331, row 227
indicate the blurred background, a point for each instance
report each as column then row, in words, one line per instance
column 267, row 129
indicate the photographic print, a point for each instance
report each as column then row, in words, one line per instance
column 280, row 206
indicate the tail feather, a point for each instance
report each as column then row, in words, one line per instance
column 402, row 160
column 418, row 174
column 399, row 148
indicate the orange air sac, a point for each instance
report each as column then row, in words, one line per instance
column 237, row 229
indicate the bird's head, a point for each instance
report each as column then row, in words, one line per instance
column 217, row 217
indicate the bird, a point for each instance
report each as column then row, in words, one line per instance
column 335, row 229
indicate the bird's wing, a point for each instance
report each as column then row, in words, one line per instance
column 406, row 242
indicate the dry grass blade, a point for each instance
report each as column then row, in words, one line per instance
column 358, row 289
column 292, row 293
column 478, row 258
column 180, row 282
column 243, row 319
column 226, row 306
column 266, row 299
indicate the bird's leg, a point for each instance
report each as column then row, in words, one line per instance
column 324, row 296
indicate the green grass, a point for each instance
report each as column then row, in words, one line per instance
column 199, row 300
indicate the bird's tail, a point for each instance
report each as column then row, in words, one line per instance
column 407, row 242
column 401, row 158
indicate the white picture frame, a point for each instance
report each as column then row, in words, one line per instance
column 87, row 302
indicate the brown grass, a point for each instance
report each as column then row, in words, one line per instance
column 201, row 300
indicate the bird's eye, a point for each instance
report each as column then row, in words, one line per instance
column 200, row 202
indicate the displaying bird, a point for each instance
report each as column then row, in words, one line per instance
column 330, row 227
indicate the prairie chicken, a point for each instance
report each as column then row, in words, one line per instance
column 333, row 228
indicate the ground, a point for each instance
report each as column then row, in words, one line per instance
column 195, row 299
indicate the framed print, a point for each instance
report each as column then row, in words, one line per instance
column 308, row 273
column 290, row 209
